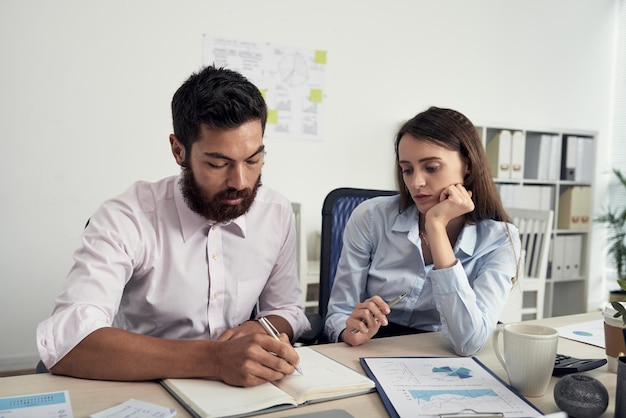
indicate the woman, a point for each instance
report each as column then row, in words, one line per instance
column 444, row 240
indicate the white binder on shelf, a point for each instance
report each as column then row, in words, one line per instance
column 499, row 154
column 546, row 198
column 536, row 197
column 554, row 162
column 573, row 255
column 584, row 159
column 518, row 149
column 527, row 197
column 509, row 195
column 558, row 254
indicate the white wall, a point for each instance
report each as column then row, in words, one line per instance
column 85, row 89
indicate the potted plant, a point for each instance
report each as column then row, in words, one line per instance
column 615, row 221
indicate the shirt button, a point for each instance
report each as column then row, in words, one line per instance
column 214, row 256
column 216, row 295
column 216, row 332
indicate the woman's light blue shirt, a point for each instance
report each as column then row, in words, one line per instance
column 382, row 255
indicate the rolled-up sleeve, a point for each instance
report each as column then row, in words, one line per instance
column 57, row 335
column 91, row 296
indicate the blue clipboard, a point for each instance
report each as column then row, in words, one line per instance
column 466, row 413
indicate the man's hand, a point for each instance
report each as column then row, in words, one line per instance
column 248, row 327
column 254, row 358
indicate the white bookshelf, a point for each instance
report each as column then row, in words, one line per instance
column 531, row 172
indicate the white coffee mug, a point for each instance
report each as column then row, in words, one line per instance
column 528, row 355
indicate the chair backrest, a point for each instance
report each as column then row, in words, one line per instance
column 337, row 208
column 535, row 233
column 300, row 247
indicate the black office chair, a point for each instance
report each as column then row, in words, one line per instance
column 337, row 208
column 41, row 368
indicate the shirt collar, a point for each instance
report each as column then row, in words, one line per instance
column 468, row 239
column 408, row 221
column 191, row 222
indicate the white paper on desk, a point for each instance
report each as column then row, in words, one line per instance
column 431, row 386
column 591, row 332
column 134, row 408
column 38, row 405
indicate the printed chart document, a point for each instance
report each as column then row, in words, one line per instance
column 323, row 379
column 436, row 386
column 591, row 332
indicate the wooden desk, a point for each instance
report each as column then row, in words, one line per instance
column 433, row 344
column 88, row 396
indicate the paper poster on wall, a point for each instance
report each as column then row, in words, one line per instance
column 290, row 78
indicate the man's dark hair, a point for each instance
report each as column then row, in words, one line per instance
column 217, row 97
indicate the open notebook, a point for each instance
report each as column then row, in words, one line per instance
column 323, row 379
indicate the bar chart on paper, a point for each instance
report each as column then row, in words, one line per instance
column 430, row 386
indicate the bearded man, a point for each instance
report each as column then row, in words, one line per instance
column 168, row 273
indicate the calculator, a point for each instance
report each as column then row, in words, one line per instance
column 566, row 364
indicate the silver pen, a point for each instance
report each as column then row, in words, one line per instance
column 390, row 303
column 273, row 332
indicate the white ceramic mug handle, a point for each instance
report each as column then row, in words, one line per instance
column 497, row 347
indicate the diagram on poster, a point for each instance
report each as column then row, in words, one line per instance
column 291, row 79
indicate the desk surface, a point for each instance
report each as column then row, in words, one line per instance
column 88, row 396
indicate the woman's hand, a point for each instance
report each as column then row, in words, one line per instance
column 444, row 223
column 365, row 321
column 454, row 201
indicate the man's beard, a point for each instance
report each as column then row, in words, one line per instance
column 214, row 209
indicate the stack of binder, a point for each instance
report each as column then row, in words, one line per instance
column 566, row 256
column 527, row 197
column 577, row 159
column 575, row 208
column 505, row 152
column 542, row 161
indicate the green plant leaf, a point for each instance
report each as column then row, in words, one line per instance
column 621, row 311
column 615, row 221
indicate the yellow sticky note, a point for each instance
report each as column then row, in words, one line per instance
column 320, row 57
column 272, row 116
column 263, row 92
column 316, row 95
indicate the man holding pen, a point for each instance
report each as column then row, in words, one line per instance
column 168, row 273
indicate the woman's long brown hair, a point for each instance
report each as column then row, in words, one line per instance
column 450, row 129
